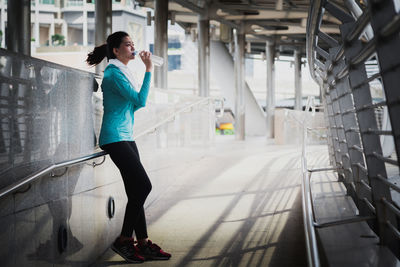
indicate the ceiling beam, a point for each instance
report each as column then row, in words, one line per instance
column 191, row 6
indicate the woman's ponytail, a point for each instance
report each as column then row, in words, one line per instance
column 97, row 55
column 106, row 50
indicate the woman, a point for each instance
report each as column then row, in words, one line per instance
column 120, row 101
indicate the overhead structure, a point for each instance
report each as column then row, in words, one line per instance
column 284, row 21
column 281, row 23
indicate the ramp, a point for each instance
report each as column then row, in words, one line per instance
column 222, row 72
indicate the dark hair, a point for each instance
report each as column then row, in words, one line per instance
column 106, row 50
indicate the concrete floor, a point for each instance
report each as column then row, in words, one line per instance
column 238, row 205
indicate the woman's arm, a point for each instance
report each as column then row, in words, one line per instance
column 127, row 91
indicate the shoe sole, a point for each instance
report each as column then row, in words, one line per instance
column 127, row 259
column 157, row 258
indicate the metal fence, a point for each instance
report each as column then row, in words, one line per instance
column 359, row 76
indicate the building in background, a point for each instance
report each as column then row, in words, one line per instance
column 68, row 26
column 74, row 21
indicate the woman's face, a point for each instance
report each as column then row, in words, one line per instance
column 125, row 50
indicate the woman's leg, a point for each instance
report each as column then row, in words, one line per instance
column 137, row 186
column 140, row 225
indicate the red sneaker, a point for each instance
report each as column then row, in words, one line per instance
column 127, row 250
column 152, row 251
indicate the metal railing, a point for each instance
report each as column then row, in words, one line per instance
column 68, row 163
column 358, row 73
column 309, row 218
column 308, row 215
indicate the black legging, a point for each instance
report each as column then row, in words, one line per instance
column 137, row 186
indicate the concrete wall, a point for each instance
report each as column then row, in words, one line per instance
column 222, row 72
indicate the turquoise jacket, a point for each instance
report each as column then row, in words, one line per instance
column 120, row 101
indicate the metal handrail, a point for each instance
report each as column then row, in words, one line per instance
column 308, row 214
column 172, row 116
column 310, row 222
column 15, row 186
column 222, row 108
column 310, row 235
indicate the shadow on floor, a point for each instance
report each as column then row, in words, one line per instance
column 249, row 248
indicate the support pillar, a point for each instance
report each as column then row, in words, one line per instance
column 161, row 42
column 103, row 24
column 2, row 23
column 84, row 26
column 298, row 103
column 51, row 33
column 19, row 26
column 64, row 31
column 37, row 24
column 270, row 106
column 240, row 84
column 204, row 55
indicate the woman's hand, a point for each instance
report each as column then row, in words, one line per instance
column 145, row 56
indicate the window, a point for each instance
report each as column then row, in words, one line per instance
column 47, row 2
column 75, row 3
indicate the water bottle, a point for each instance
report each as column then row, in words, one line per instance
column 157, row 61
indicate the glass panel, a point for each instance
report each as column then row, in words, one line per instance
column 45, row 115
column 75, row 3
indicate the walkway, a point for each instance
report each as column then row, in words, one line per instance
column 239, row 205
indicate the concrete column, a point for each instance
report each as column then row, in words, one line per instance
column 84, row 26
column 3, row 23
column 103, row 24
column 298, row 105
column 51, row 32
column 64, row 31
column 239, row 84
column 203, row 26
column 270, row 107
column 19, row 26
column 161, row 42
column 37, row 24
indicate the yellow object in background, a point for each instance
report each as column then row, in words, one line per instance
column 226, row 126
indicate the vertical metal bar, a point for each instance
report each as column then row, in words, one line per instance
column 103, row 24
column 298, row 103
column 335, row 139
column 337, row 117
column 240, row 84
column 371, row 143
column 270, row 107
column 381, row 15
column 342, row 142
column 348, row 121
column 354, row 140
column 329, row 136
column 161, row 42
column 203, row 26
